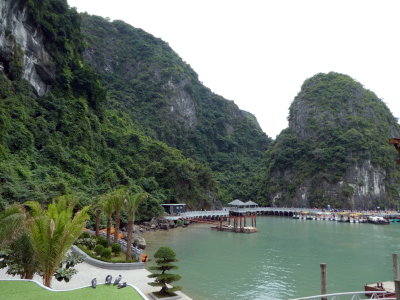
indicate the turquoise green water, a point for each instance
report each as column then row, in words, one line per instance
column 282, row 260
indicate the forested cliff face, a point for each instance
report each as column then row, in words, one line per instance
column 335, row 150
column 60, row 134
column 22, row 53
column 162, row 94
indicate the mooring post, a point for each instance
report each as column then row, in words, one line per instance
column 397, row 288
column 323, row 281
column 395, row 267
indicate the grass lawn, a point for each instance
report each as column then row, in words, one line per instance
column 26, row 290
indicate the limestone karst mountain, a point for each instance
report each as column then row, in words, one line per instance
column 335, row 150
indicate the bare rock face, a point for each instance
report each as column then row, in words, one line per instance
column 18, row 35
column 181, row 104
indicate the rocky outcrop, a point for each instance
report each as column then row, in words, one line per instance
column 22, row 48
column 336, row 149
column 182, row 105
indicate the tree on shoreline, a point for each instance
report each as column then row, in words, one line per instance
column 117, row 197
column 132, row 202
column 108, row 209
column 164, row 257
column 97, row 206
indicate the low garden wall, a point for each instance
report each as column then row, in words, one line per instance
column 106, row 265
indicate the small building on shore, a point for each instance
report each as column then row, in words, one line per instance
column 237, row 204
column 251, row 204
column 174, row 208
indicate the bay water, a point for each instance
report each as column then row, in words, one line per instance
column 280, row 261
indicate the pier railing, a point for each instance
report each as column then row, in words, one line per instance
column 350, row 296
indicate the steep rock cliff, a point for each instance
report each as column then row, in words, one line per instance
column 335, row 150
column 70, row 139
column 147, row 79
column 22, row 51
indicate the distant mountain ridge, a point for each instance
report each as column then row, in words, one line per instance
column 335, row 150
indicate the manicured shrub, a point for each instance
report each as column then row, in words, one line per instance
column 106, row 253
column 98, row 249
column 116, row 248
column 164, row 257
column 102, row 241
column 85, row 235
column 87, row 242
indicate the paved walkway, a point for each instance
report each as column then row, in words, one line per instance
column 87, row 272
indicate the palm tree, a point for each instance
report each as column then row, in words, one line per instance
column 53, row 232
column 108, row 209
column 98, row 209
column 118, row 198
column 132, row 202
column 12, row 219
column 18, row 254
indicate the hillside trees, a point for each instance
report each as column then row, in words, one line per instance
column 74, row 140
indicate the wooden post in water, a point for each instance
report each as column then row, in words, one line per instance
column 395, row 267
column 323, row 281
column 244, row 221
column 220, row 223
column 255, row 221
column 397, row 288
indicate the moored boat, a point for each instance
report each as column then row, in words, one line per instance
column 378, row 220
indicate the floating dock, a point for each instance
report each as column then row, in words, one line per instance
column 238, row 230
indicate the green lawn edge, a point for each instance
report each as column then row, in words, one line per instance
column 27, row 290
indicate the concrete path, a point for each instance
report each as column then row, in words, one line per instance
column 87, row 272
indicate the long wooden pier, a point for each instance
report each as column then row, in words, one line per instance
column 275, row 211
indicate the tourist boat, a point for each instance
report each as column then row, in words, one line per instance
column 387, row 286
column 378, row 220
column 343, row 217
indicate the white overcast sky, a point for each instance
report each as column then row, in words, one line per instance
column 259, row 52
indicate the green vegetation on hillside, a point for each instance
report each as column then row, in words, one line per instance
column 162, row 94
column 73, row 141
column 334, row 125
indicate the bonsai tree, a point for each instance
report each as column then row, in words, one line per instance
column 164, row 257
